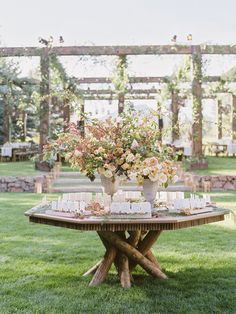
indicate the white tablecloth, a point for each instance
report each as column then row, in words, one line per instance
column 231, row 148
column 187, row 151
column 6, row 151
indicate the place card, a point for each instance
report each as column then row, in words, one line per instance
column 135, row 207
column 54, row 205
column 189, row 203
column 145, row 206
column 82, row 206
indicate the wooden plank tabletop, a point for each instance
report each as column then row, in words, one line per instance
column 103, row 223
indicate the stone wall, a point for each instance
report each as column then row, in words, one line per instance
column 219, row 182
column 22, row 184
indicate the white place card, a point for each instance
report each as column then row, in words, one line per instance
column 145, row 206
column 82, row 206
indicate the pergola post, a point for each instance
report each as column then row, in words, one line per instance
column 121, row 102
column 121, row 82
column 24, row 118
column 45, row 99
column 233, row 117
column 81, row 124
column 6, row 120
column 197, row 102
column 66, row 113
column 175, row 116
column 220, row 120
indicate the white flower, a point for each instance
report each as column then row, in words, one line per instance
column 101, row 150
column 146, row 171
column 78, row 153
column 133, row 175
column 118, row 119
column 163, row 178
column 111, row 167
column 152, row 162
column 153, row 177
column 130, row 157
column 175, row 179
column 134, row 144
column 108, row 173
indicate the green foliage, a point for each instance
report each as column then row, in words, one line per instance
column 1, row 122
column 120, row 77
column 16, row 97
column 23, row 97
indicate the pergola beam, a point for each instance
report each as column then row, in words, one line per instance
column 118, row 50
column 113, row 92
column 129, row 97
column 132, row 79
column 140, row 79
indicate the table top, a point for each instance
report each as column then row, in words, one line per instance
column 43, row 214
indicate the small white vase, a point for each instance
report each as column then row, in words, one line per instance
column 110, row 185
column 150, row 189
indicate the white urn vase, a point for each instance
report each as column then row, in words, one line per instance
column 150, row 189
column 110, row 185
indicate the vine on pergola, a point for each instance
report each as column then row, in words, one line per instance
column 120, row 81
column 174, row 90
column 18, row 105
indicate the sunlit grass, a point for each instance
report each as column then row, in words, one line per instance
column 67, row 168
column 19, row 168
column 219, row 165
column 41, row 268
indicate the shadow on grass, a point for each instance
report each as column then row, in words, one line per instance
column 203, row 290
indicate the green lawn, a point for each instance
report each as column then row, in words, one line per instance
column 19, row 168
column 41, row 268
column 67, row 168
column 219, row 165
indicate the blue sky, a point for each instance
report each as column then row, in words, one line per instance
column 116, row 22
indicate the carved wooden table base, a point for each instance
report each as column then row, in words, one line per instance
column 126, row 252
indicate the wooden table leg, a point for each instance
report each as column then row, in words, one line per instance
column 126, row 253
column 133, row 253
column 144, row 247
column 134, row 237
column 107, row 245
column 123, row 265
column 153, row 259
column 104, row 267
column 93, row 269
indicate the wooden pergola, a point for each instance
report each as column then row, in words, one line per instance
column 195, row 51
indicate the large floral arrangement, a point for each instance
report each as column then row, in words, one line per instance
column 128, row 146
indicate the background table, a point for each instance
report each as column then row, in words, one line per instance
column 127, row 242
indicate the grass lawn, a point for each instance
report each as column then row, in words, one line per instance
column 219, row 165
column 41, row 268
column 19, row 168
column 67, row 168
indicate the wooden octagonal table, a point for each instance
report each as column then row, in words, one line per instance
column 127, row 242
